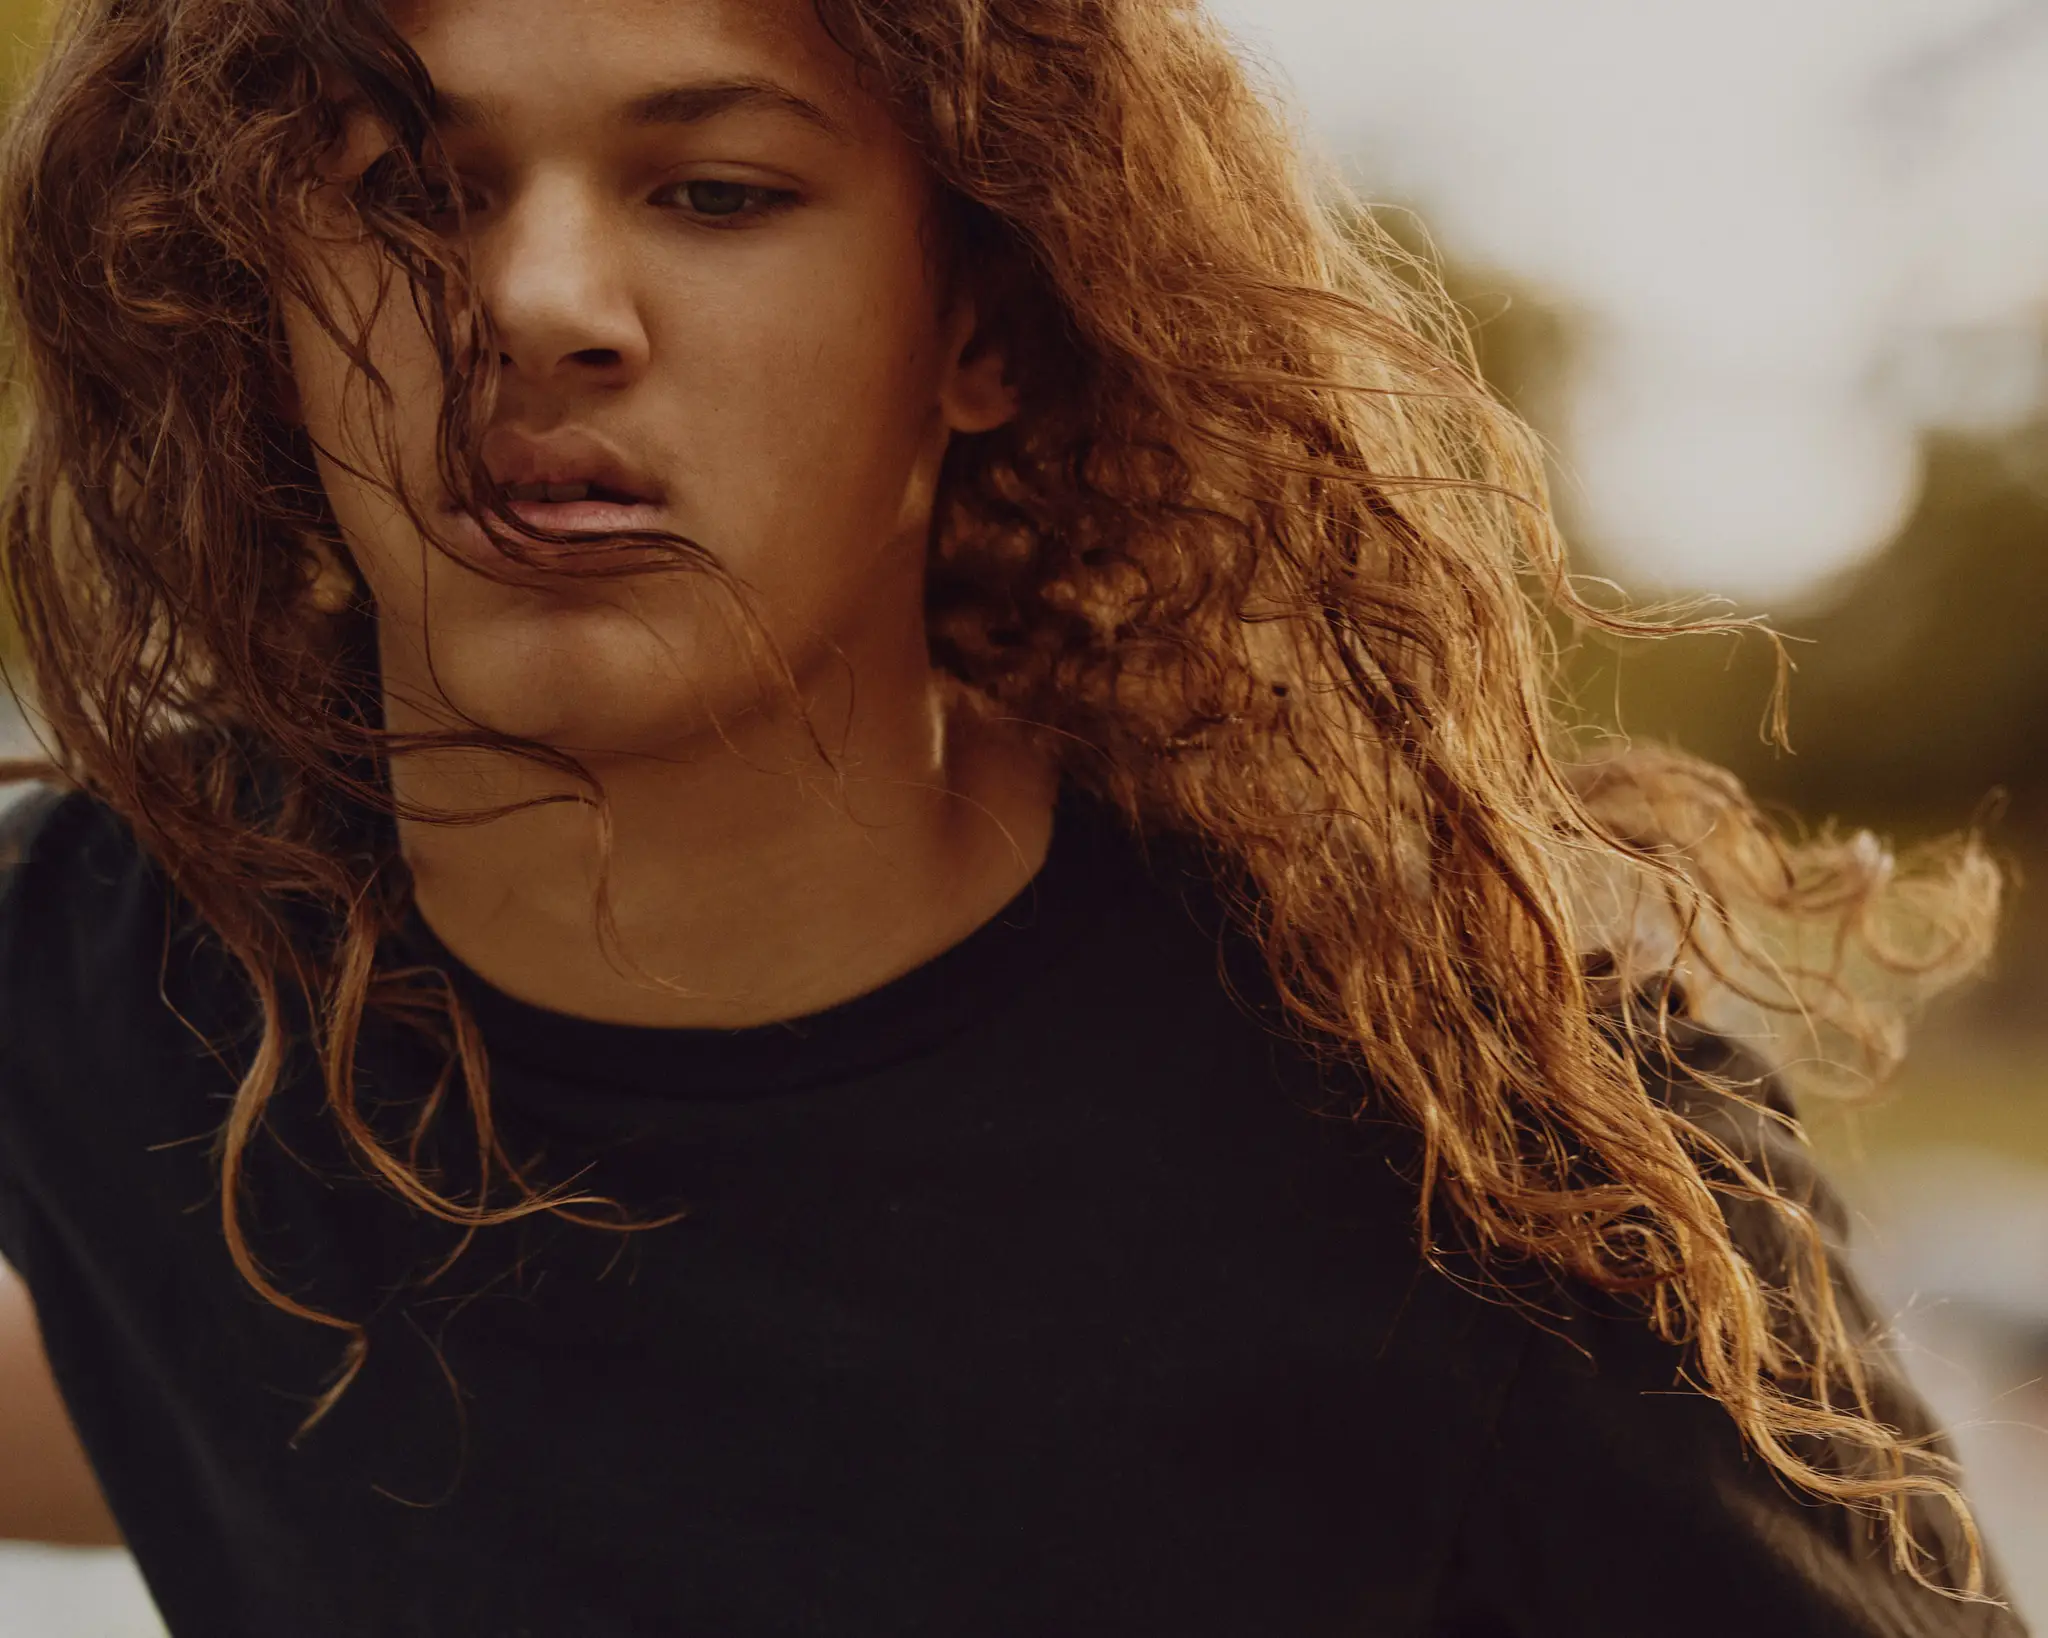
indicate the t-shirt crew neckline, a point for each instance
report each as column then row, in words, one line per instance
column 904, row 1018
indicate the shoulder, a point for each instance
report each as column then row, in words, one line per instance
column 1606, row 1452
column 83, row 919
column 78, row 909
column 1729, row 1094
column 73, row 881
column 45, row 828
column 25, row 808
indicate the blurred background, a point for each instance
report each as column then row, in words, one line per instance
column 1772, row 277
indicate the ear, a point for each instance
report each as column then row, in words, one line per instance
column 976, row 395
column 332, row 588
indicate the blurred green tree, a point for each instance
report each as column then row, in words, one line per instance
column 1922, row 682
column 1919, row 702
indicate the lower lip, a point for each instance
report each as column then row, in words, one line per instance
column 586, row 517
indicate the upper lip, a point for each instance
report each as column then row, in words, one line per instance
column 514, row 458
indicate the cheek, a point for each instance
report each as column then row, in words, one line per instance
column 821, row 382
column 371, row 306
column 367, row 443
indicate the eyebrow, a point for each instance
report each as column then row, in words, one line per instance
column 692, row 104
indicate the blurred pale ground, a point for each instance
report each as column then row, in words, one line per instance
column 1772, row 274
column 61, row 1592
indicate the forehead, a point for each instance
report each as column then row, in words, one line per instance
column 500, row 60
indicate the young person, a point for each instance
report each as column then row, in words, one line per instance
column 804, row 872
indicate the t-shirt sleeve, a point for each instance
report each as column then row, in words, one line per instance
column 1616, row 1499
column 24, row 811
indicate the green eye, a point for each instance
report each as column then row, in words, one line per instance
column 714, row 202
column 719, row 198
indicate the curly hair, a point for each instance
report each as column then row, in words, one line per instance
column 1261, row 560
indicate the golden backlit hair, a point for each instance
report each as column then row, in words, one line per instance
column 1262, row 559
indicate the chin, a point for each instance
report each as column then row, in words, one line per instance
column 592, row 682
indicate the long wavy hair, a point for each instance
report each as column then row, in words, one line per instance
column 1261, row 559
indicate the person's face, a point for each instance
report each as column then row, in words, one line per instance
column 706, row 254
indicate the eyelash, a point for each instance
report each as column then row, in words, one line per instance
column 757, row 203
column 766, row 202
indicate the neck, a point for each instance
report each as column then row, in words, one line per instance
column 746, row 880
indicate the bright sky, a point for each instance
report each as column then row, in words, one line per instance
column 1798, row 231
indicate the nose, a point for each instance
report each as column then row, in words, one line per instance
column 558, row 293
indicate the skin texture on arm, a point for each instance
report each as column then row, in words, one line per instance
column 47, row 1490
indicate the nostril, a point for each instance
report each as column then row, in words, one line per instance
column 602, row 358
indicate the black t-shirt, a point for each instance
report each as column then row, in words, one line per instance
column 1043, row 1291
